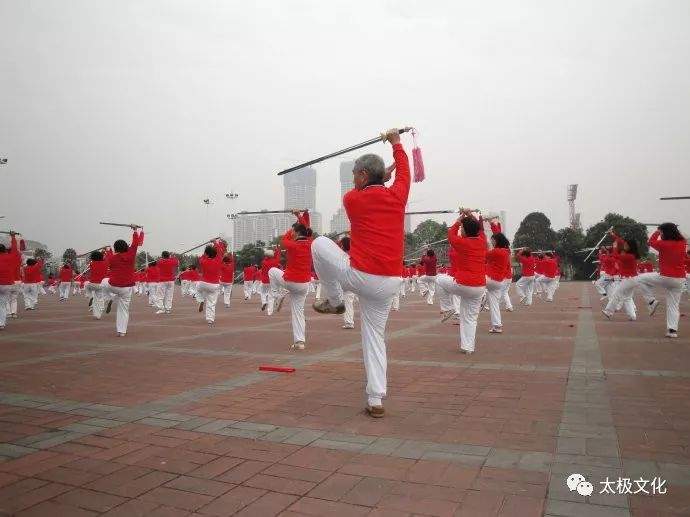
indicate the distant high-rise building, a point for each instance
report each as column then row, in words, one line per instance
column 259, row 227
column 339, row 221
column 300, row 193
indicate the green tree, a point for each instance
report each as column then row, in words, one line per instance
column 70, row 255
column 535, row 232
column 569, row 245
column 626, row 227
column 250, row 254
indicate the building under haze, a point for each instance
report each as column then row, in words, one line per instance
column 339, row 221
column 299, row 193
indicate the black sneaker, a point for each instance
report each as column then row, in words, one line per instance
column 325, row 307
column 90, row 301
column 201, row 306
column 109, row 307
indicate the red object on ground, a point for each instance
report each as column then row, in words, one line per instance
column 281, row 369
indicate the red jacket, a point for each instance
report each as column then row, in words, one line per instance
column 194, row 276
column 98, row 270
column 298, row 267
column 470, row 269
column 496, row 260
column 227, row 272
column 550, row 267
column 429, row 264
column 66, row 274
column 376, row 215
column 671, row 255
column 266, row 266
column 34, row 274
column 248, row 274
column 210, row 267
column 528, row 264
column 153, row 274
column 166, row 268
column 122, row 264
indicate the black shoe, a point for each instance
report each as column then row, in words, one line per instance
column 263, row 307
column 90, row 301
column 201, row 306
column 109, row 306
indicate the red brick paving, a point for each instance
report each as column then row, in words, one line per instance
column 138, row 469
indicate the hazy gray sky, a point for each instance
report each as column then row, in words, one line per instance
column 138, row 110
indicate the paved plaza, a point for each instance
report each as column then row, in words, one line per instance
column 176, row 419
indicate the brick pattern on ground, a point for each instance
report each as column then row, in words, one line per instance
column 175, row 419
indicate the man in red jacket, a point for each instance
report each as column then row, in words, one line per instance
column 153, row 285
column 9, row 260
column 167, row 271
column 373, row 270
column 227, row 278
column 248, row 281
column 428, row 279
column 65, row 276
column 33, row 277
column 120, row 284
column 271, row 259
column 296, row 277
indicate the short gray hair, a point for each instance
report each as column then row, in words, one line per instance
column 373, row 164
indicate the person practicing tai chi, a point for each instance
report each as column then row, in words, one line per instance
column 469, row 280
column 65, row 276
column 428, row 280
column 525, row 285
column 10, row 260
column 672, row 246
column 248, row 274
column 271, row 259
column 211, row 263
column 120, row 284
column 96, row 290
column 296, row 277
column 33, row 278
column 153, row 277
column 550, row 274
column 348, row 297
column 227, row 278
column 373, row 270
column 607, row 273
column 167, row 271
column 497, row 262
column 626, row 253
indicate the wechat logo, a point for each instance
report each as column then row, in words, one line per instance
column 577, row 482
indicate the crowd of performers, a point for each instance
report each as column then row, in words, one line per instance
column 365, row 265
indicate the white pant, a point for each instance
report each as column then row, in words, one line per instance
column 603, row 284
column 14, row 297
column 248, row 289
column 623, row 295
column 155, row 292
column 227, row 292
column 549, row 286
column 266, row 298
column 470, row 304
column 298, row 295
column 317, row 293
column 63, row 290
column 349, row 314
column 429, row 286
column 672, row 286
column 5, row 292
column 494, row 292
column 448, row 303
column 184, row 287
column 30, row 295
column 538, row 286
column 166, row 291
column 98, row 293
column 256, row 286
column 525, row 288
column 413, row 283
column 403, row 287
column 505, row 297
column 375, row 293
column 122, row 296
column 208, row 293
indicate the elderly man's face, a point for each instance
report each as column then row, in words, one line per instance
column 360, row 178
